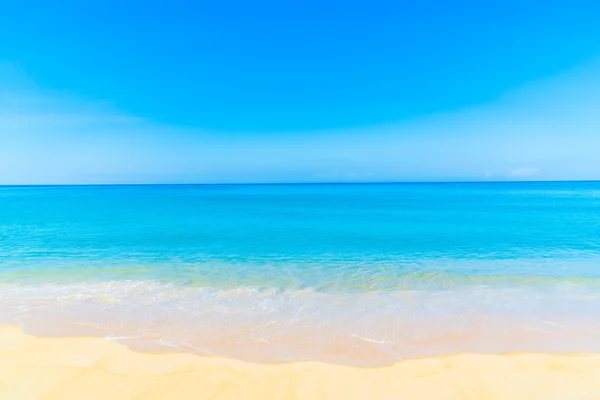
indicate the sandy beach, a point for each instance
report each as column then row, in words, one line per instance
column 95, row 368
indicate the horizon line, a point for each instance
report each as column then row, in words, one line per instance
column 294, row 183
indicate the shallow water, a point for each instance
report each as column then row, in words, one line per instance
column 359, row 274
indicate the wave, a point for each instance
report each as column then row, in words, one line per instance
column 347, row 327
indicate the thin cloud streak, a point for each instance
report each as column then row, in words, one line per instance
column 524, row 172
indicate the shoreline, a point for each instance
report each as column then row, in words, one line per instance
column 34, row 367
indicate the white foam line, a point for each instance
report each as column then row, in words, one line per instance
column 554, row 324
column 162, row 341
column 111, row 337
column 372, row 340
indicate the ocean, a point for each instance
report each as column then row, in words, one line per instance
column 358, row 274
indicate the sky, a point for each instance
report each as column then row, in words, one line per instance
column 312, row 91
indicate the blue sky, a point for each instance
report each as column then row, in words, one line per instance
column 178, row 92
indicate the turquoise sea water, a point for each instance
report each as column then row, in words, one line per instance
column 352, row 273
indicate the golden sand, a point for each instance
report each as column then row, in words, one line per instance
column 94, row 368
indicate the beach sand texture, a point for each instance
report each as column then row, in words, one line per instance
column 95, row 368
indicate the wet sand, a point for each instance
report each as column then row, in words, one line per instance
column 94, row 368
